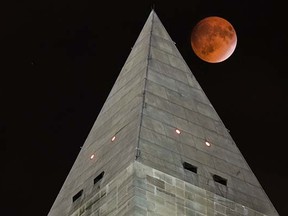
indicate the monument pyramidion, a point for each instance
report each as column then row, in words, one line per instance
column 158, row 147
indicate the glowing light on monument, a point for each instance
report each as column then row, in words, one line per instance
column 207, row 143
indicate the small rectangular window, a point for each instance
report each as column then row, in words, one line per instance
column 77, row 196
column 98, row 178
column 220, row 179
column 190, row 167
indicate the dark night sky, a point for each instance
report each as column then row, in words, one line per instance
column 61, row 58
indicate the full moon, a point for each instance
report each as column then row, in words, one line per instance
column 213, row 39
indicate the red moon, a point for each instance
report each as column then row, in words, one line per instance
column 213, row 39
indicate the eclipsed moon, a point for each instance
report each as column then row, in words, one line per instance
column 213, row 39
